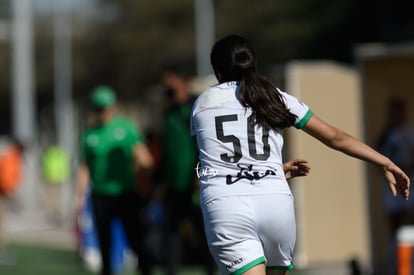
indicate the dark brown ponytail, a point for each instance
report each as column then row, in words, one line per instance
column 233, row 59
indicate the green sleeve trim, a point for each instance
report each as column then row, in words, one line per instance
column 249, row 266
column 304, row 120
column 289, row 267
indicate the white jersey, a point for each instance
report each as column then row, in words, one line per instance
column 237, row 156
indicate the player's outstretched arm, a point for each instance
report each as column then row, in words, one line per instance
column 336, row 139
column 143, row 156
column 82, row 187
column 296, row 168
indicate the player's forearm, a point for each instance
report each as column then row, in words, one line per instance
column 143, row 156
column 339, row 140
column 82, row 184
column 356, row 148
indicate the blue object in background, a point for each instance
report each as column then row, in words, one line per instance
column 90, row 245
column 155, row 211
column 119, row 246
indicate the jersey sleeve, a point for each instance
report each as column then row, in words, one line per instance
column 192, row 126
column 193, row 111
column 301, row 110
column 82, row 149
column 135, row 132
column 192, row 131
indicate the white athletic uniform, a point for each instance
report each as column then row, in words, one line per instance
column 246, row 202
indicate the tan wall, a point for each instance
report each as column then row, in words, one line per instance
column 333, row 224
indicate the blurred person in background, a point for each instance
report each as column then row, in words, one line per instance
column 11, row 162
column 56, row 170
column 397, row 143
column 183, row 224
column 111, row 152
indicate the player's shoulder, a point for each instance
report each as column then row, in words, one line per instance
column 291, row 99
column 122, row 121
column 284, row 94
column 90, row 131
column 217, row 95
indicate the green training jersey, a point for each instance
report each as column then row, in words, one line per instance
column 107, row 150
column 180, row 148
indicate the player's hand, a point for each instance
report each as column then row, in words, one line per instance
column 296, row 168
column 397, row 180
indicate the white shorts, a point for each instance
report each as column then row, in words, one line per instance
column 247, row 230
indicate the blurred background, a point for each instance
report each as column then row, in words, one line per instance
column 345, row 58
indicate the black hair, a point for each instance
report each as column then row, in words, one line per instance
column 180, row 69
column 233, row 59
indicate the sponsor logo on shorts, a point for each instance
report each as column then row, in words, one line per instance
column 235, row 262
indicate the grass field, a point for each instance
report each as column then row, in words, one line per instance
column 33, row 260
column 45, row 260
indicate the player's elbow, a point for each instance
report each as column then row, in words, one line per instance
column 337, row 140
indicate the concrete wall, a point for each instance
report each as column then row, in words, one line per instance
column 386, row 71
column 332, row 208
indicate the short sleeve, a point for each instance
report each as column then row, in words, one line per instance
column 82, row 149
column 301, row 110
column 134, row 132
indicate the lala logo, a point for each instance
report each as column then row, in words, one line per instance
column 235, row 262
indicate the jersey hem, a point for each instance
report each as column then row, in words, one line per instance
column 204, row 202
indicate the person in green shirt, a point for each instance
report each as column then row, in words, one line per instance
column 184, row 225
column 111, row 152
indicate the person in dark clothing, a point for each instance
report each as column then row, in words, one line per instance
column 184, row 223
column 111, row 152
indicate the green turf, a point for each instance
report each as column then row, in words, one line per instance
column 33, row 260
column 42, row 260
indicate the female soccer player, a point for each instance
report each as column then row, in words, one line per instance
column 246, row 202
